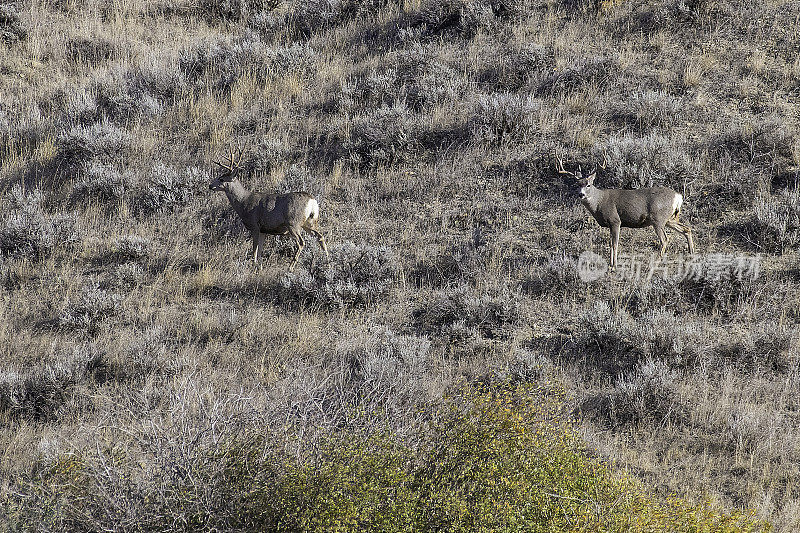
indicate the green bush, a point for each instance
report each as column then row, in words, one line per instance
column 496, row 461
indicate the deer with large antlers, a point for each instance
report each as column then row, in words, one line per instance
column 659, row 207
column 269, row 214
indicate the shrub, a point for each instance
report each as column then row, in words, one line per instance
column 26, row 230
column 102, row 141
column 558, row 276
column 220, row 63
column 298, row 178
column 647, row 110
column 92, row 307
column 23, row 128
column 377, row 89
column 518, row 68
column 386, row 136
column 721, row 283
column 770, row 347
column 82, row 108
column 308, row 17
column 155, row 77
column 465, row 18
column 5, row 125
column 128, row 96
column 379, row 372
column 128, row 276
column 495, row 461
column 11, row 29
column 776, row 220
column 581, row 7
column 92, row 50
column 296, row 58
column 356, row 275
column 614, row 344
column 648, row 160
column 766, row 140
column 503, row 118
column 36, row 394
column 580, row 73
column 526, row 366
column 425, row 79
column 233, row 10
column 145, row 355
column 128, row 247
column 463, row 262
column 468, row 320
column 415, row 77
column 102, row 183
column 266, row 156
column 169, row 188
column 213, row 59
column 648, row 394
column 266, row 23
column 651, row 17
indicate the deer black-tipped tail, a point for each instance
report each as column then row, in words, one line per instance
column 312, row 210
column 676, row 206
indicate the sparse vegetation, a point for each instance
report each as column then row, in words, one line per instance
column 777, row 221
column 446, row 369
column 356, row 275
column 26, row 230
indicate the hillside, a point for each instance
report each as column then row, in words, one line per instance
column 447, row 368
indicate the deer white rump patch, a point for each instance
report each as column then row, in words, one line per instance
column 677, row 203
column 312, row 209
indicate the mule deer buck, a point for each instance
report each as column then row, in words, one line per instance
column 269, row 214
column 659, row 207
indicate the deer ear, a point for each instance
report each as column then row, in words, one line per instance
column 590, row 178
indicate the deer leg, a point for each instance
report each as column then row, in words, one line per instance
column 662, row 237
column 320, row 239
column 298, row 239
column 257, row 243
column 685, row 229
column 261, row 249
column 614, row 244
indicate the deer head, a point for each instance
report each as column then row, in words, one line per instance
column 585, row 184
column 229, row 170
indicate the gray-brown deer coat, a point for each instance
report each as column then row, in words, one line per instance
column 659, row 207
column 271, row 214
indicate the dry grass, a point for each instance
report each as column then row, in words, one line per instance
column 134, row 321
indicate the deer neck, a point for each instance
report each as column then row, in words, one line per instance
column 236, row 194
column 593, row 200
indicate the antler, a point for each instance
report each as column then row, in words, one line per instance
column 560, row 168
column 234, row 160
column 606, row 160
column 239, row 157
column 602, row 165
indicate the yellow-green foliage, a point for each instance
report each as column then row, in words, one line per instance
column 494, row 461
column 491, row 462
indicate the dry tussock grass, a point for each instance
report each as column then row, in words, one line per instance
column 130, row 317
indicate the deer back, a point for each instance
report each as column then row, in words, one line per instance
column 276, row 213
column 634, row 208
